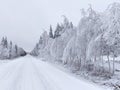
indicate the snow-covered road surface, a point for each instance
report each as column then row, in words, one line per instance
column 29, row 73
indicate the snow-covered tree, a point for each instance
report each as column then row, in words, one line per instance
column 51, row 32
column 10, row 51
column 40, row 40
column 16, row 49
column 85, row 46
column 57, row 31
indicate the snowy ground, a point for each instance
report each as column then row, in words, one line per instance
column 29, row 73
column 112, row 82
column 4, row 61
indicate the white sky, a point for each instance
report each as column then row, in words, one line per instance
column 22, row 21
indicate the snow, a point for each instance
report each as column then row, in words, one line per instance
column 29, row 73
column 9, row 51
column 91, row 49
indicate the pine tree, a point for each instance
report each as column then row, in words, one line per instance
column 5, row 42
column 10, row 49
column 71, row 25
column 41, row 40
column 66, row 22
column 57, row 31
column 51, row 32
column 3, row 39
column 16, row 49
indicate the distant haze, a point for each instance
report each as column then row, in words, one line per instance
column 22, row 21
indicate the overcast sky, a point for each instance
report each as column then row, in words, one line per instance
column 22, row 21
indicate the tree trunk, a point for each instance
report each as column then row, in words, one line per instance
column 113, row 64
column 95, row 63
column 102, row 62
column 109, row 63
column 79, row 63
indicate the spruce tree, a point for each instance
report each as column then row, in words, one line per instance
column 51, row 32
column 57, row 31
column 2, row 42
column 10, row 49
column 16, row 49
column 71, row 25
column 5, row 42
column 41, row 40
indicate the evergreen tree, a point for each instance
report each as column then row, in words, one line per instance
column 10, row 49
column 41, row 40
column 57, row 31
column 71, row 25
column 51, row 32
column 66, row 22
column 5, row 42
column 11, row 44
column 16, row 49
column 3, row 39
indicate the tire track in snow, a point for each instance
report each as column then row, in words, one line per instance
column 5, row 69
column 8, row 80
column 44, row 77
column 29, row 73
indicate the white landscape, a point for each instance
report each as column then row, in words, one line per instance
column 85, row 56
column 29, row 73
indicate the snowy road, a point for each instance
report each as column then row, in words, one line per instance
column 29, row 73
